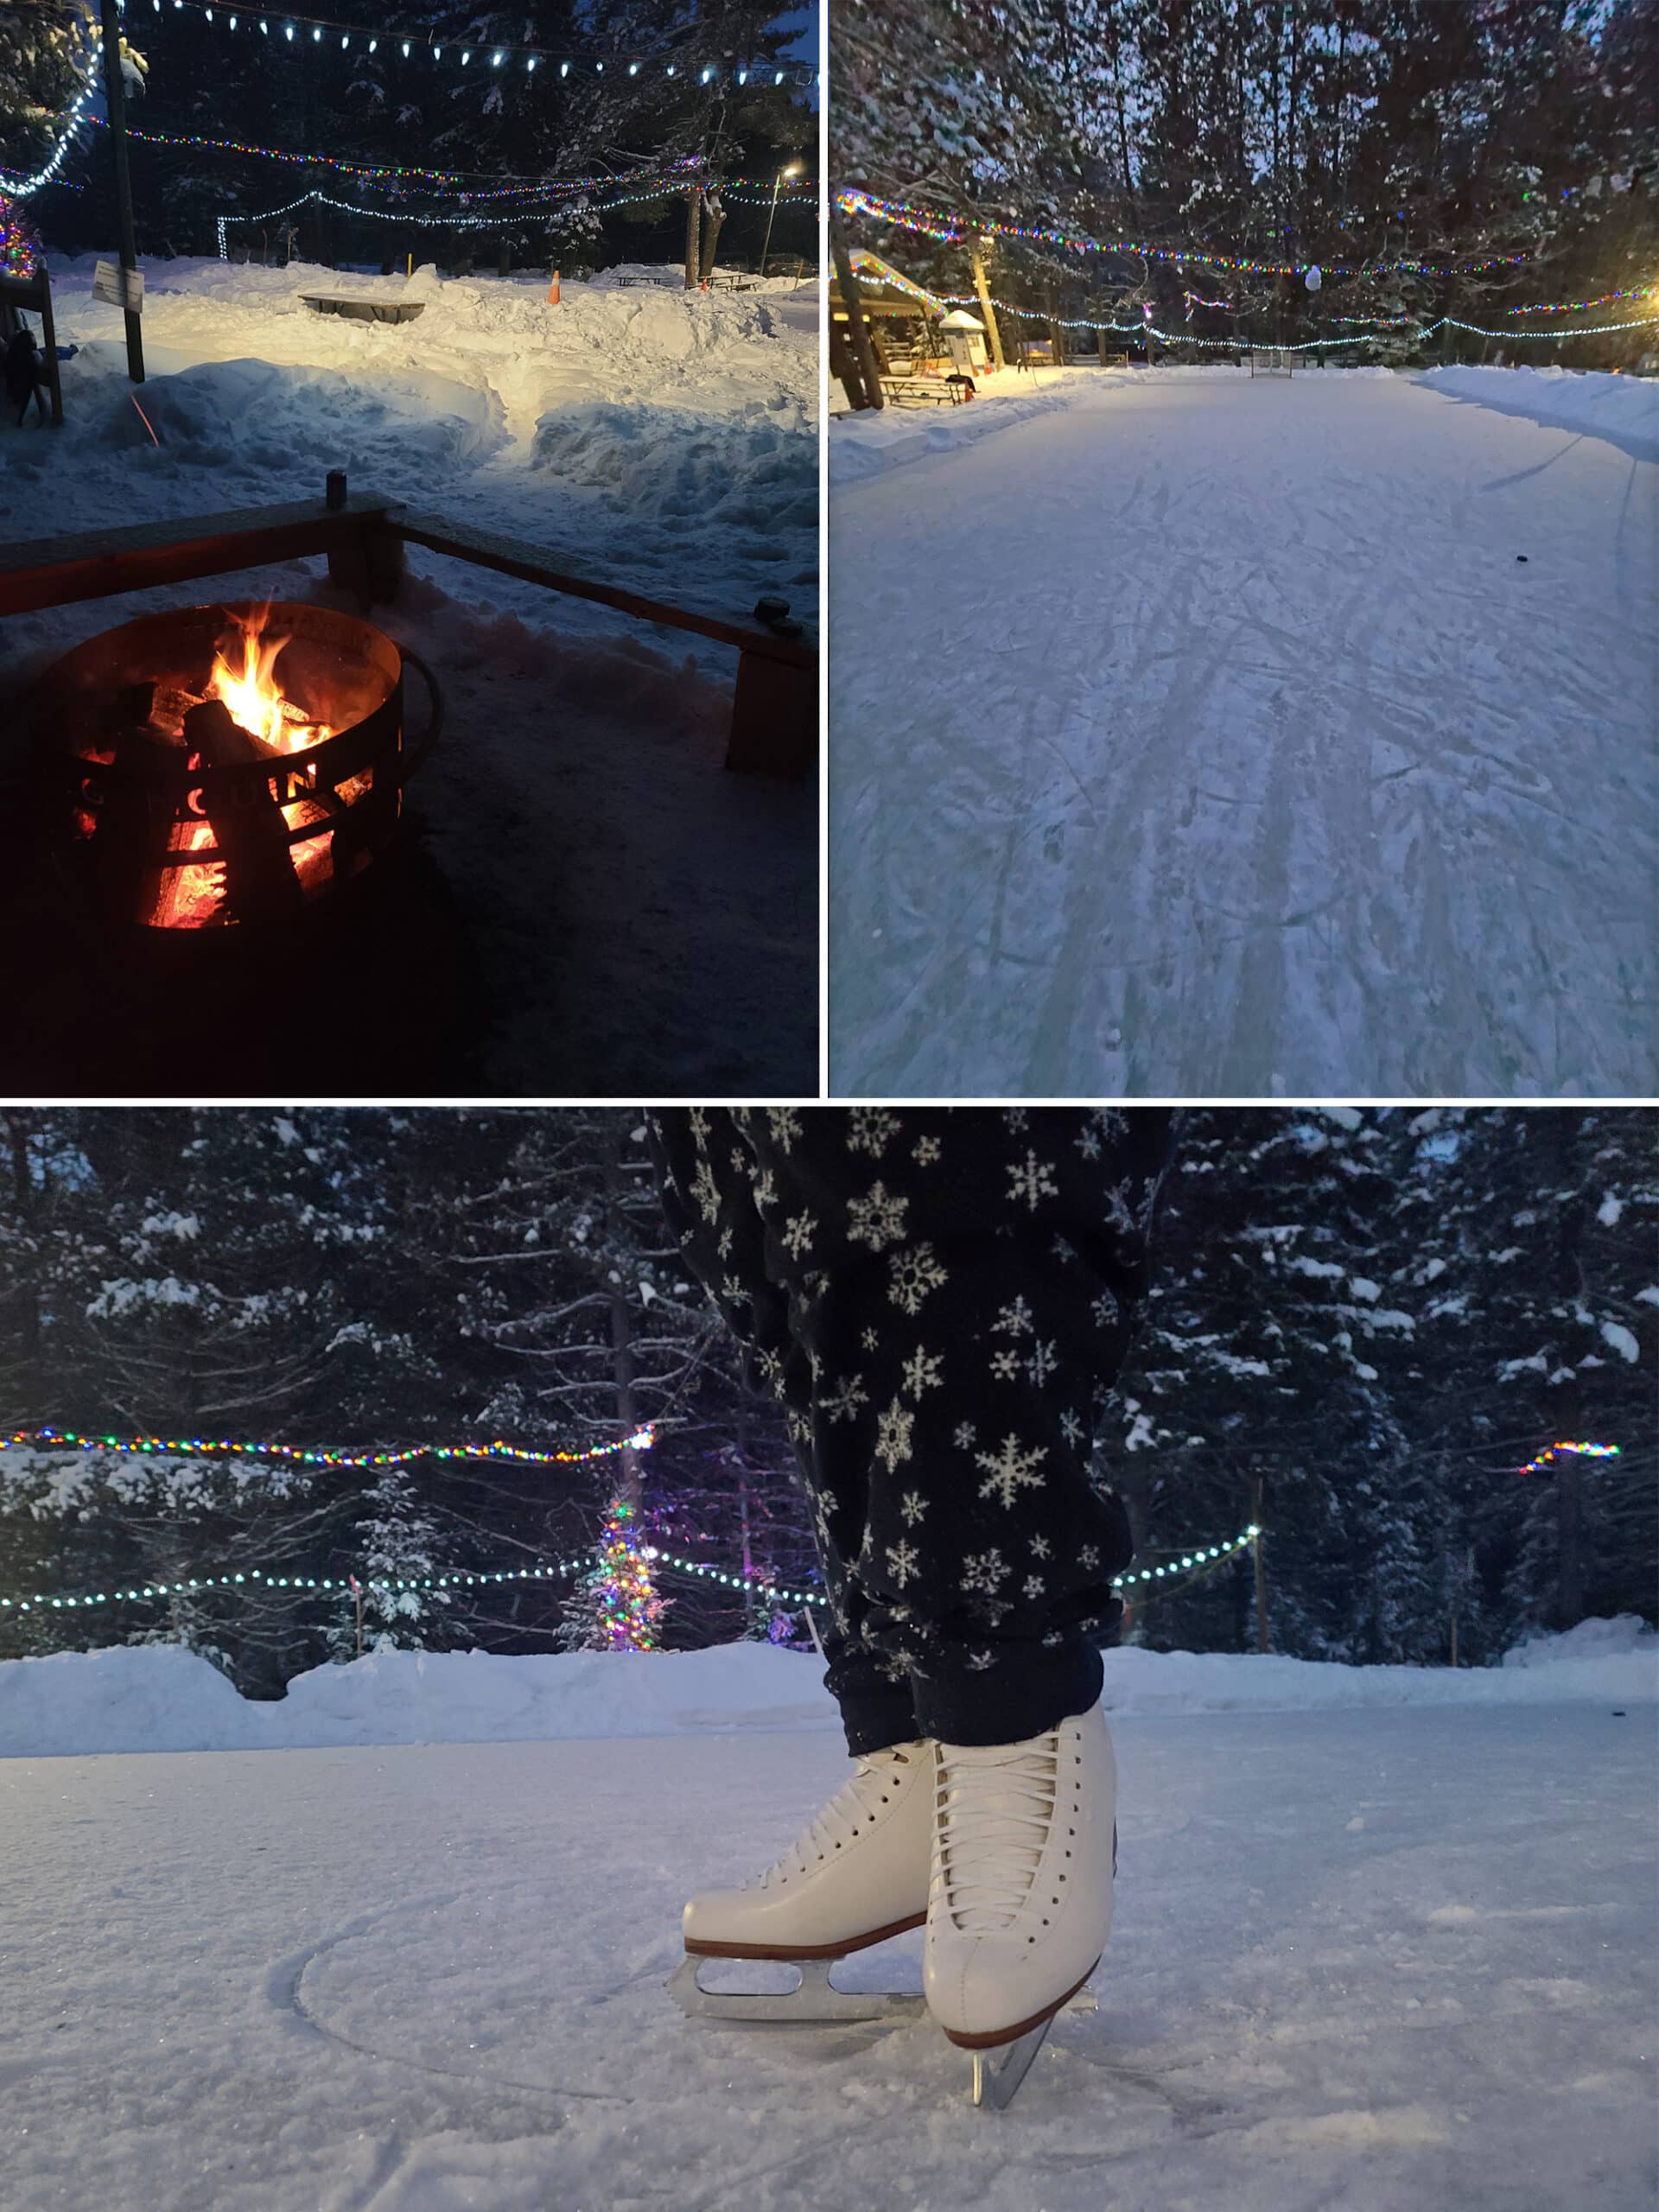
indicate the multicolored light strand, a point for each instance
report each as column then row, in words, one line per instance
column 630, row 1608
column 1580, row 307
column 20, row 250
column 210, row 1447
column 390, row 175
column 948, row 231
column 1553, row 1451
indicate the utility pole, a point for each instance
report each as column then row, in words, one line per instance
column 1261, row 1577
column 115, row 93
column 988, row 313
column 857, row 329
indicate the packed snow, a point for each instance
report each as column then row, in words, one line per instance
column 1365, row 1957
column 646, row 922
column 1204, row 735
column 163, row 1698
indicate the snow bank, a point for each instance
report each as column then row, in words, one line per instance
column 1623, row 409
column 871, row 443
column 158, row 1698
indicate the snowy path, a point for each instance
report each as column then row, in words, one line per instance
column 1208, row 737
column 1369, row 1959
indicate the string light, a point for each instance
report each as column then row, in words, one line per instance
column 1578, row 306
column 804, row 72
column 948, row 231
column 863, row 260
column 629, row 1606
column 394, row 173
column 422, row 218
column 202, row 1447
column 19, row 187
column 1564, row 1450
column 1205, row 1556
column 621, row 1535
column 456, row 1579
column 19, row 247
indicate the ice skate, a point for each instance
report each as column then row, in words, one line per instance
column 857, row 1876
column 1021, row 1900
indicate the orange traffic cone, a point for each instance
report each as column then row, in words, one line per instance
column 553, row 290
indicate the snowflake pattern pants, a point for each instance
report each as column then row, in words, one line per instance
column 942, row 1299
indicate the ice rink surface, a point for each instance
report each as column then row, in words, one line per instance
column 1368, row 1959
column 1212, row 735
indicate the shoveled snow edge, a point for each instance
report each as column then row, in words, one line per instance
column 161, row 1698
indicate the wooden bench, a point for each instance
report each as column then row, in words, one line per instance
column 361, row 309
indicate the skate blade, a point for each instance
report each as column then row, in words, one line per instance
column 814, row 1998
column 998, row 2073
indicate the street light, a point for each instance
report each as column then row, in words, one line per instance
column 794, row 169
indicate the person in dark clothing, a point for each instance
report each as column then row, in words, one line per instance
column 941, row 1298
column 25, row 373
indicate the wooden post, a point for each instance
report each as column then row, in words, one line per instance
column 693, row 226
column 774, row 719
column 1454, row 1639
column 357, row 1596
column 1261, row 1643
column 857, row 328
column 115, row 97
column 988, row 313
column 49, row 347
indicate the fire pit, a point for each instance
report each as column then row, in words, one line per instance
column 228, row 766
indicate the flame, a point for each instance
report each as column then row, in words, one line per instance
column 253, row 697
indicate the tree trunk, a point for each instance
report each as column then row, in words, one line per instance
column 976, row 260
column 693, row 215
column 858, row 330
column 714, row 217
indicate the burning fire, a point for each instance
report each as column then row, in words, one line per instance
column 251, row 695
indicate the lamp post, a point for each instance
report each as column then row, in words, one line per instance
column 794, row 169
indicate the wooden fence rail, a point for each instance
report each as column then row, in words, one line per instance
column 774, row 712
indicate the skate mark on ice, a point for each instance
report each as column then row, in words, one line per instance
column 285, row 1991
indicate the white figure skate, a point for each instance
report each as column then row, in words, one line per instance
column 1020, row 1901
column 858, row 1875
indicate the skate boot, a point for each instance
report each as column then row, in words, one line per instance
column 1020, row 1901
column 858, row 1875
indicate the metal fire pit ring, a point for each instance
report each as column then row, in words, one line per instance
column 125, row 796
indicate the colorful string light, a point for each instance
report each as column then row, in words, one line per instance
column 1205, row 1556
column 20, row 250
column 425, row 218
column 892, row 275
column 1578, row 307
column 1566, row 1451
column 948, row 231
column 208, row 1447
column 630, row 1609
column 394, row 174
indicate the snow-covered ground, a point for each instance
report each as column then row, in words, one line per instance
column 1212, row 735
column 647, row 923
column 1370, row 1956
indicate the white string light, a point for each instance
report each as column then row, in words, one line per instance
column 705, row 1570
column 19, row 187
column 803, row 72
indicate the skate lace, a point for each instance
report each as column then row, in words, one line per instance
column 858, row 1798
column 994, row 1807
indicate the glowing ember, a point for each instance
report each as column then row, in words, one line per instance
column 251, row 695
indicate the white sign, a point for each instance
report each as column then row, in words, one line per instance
column 122, row 288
